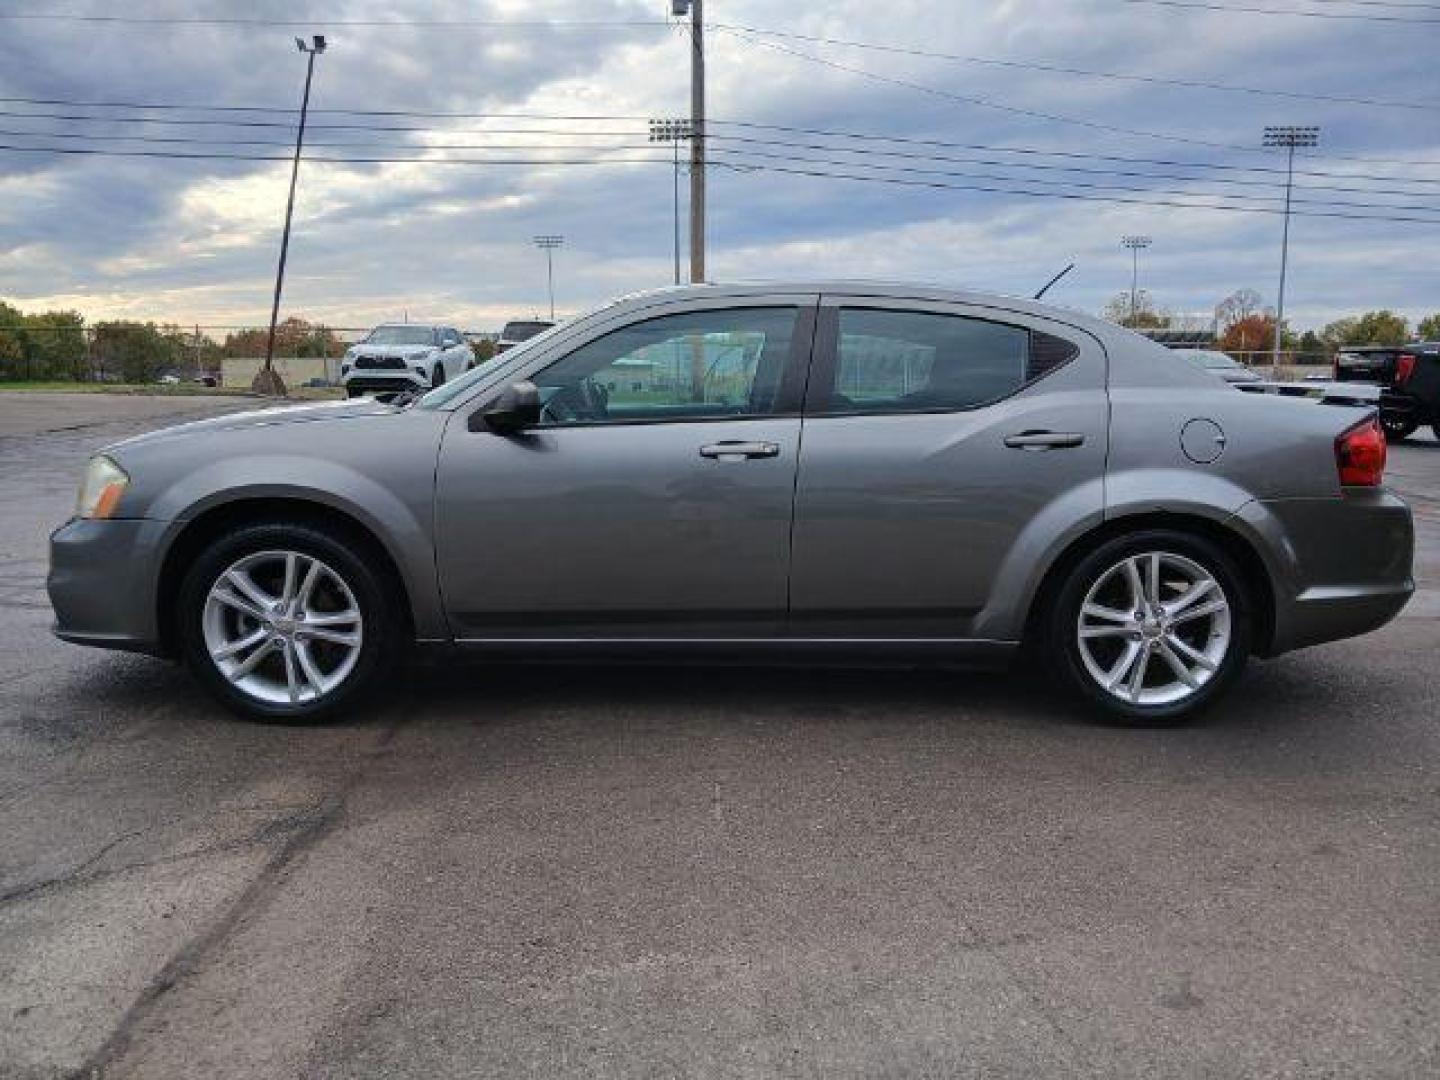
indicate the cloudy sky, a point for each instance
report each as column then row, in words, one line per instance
column 529, row 117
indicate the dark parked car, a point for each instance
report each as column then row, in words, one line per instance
column 1413, row 395
column 1367, row 363
column 824, row 470
column 517, row 330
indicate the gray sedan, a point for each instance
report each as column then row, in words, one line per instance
column 832, row 471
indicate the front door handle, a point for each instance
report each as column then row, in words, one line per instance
column 1045, row 440
column 737, row 450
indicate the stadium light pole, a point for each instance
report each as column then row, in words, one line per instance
column 674, row 132
column 1289, row 136
column 1135, row 244
column 266, row 381
column 695, row 9
column 548, row 244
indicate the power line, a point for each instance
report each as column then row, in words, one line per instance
column 1088, row 198
column 1033, row 113
column 741, row 165
column 916, row 170
column 169, row 107
column 867, row 139
column 967, row 99
column 1246, row 9
column 185, row 20
column 1037, row 65
column 789, row 144
column 606, row 24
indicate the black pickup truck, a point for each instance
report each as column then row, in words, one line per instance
column 1409, row 377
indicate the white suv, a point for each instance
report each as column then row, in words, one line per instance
column 404, row 356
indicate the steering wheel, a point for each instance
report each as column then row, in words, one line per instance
column 576, row 403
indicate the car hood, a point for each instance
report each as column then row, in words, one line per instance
column 328, row 412
column 391, row 350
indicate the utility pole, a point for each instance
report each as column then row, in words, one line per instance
column 548, row 244
column 1288, row 136
column 1136, row 244
column 695, row 8
column 674, row 132
column 267, row 382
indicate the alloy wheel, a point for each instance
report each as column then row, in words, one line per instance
column 1154, row 628
column 283, row 627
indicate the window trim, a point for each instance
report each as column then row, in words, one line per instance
column 789, row 395
column 826, row 357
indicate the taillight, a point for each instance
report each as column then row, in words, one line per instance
column 1360, row 455
column 1404, row 368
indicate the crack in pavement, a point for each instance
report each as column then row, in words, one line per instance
column 265, row 832
column 189, row 959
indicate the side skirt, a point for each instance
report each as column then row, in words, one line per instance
column 782, row 651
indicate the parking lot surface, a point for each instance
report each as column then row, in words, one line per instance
column 641, row 871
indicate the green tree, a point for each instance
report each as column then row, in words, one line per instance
column 1429, row 328
column 138, row 352
column 55, row 345
column 1382, row 327
column 1144, row 316
column 12, row 349
column 293, row 337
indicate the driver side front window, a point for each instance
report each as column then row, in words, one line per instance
column 696, row 365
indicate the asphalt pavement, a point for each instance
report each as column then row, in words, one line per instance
column 656, row 871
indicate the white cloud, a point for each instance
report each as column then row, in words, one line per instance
column 196, row 241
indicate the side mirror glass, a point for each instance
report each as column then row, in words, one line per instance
column 517, row 408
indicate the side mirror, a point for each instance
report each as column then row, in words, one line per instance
column 517, row 408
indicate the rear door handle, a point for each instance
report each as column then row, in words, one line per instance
column 737, row 450
column 1045, row 440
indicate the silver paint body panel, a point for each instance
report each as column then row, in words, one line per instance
column 895, row 532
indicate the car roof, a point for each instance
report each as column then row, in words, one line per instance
column 895, row 290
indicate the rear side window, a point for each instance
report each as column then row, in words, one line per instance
column 919, row 361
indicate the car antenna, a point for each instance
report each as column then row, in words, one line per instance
column 1046, row 287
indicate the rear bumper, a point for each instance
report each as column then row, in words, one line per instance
column 1339, row 566
column 102, row 583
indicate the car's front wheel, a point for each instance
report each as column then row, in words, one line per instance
column 1152, row 627
column 285, row 622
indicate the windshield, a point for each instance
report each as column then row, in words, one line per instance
column 444, row 394
column 401, row 335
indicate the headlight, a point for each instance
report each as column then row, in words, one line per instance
column 101, row 488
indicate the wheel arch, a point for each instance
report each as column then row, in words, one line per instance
column 1247, row 558
column 195, row 533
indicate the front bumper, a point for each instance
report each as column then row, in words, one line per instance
column 102, row 583
column 1339, row 566
column 383, row 381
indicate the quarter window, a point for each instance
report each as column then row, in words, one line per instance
column 917, row 361
column 697, row 365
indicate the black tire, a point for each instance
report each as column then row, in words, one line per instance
column 1396, row 429
column 437, row 378
column 351, row 392
column 381, row 640
column 1061, row 638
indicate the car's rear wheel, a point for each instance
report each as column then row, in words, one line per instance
column 1151, row 628
column 285, row 622
column 1397, row 429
